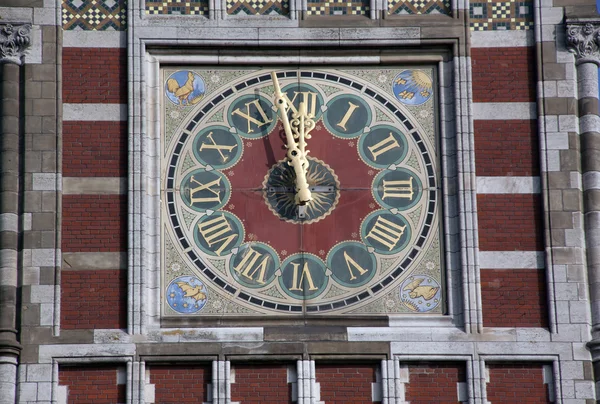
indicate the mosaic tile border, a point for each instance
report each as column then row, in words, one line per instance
column 501, row 15
column 338, row 7
column 258, row 7
column 94, row 15
column 404, row 7
column 177, row 7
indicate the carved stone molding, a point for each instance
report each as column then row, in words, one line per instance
column 14, row 40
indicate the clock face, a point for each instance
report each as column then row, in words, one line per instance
column 233, row 240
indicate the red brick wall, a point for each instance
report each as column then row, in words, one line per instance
column 95, row 75
column 346, row 383
column 93, row 299
column 503, row 74
column 506, row 148
column 94, row 149
column 92, row 384
column 257, row 384
column 434, row 382
column 515, row 383
column 94, row 223
column 510, row 222
column 180, row 383
column 514, row 298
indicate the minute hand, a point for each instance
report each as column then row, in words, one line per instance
column 294, row 154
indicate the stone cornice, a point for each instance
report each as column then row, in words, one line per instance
column 14, row 40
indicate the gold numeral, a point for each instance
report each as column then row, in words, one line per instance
column 212, row 230
column 351, row 263
column 250, row 119
column 386, row 232
column 385, row 145
column 398, row 189
column 217, row 147
column 311, row 103
column 305, row 272
column 344, row 121
column 247, row 267
column 201, row 187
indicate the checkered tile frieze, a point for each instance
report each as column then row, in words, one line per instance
column 419, row 7
column 257, row 7
column 501, row 15
column 94, row 15
column 338, row 7
column 177, row 7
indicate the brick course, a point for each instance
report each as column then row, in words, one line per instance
column 175, row 384
column 93, row 299
column 516, row 383
column 510, row 222
column 92, row 384
column 503, row 74
column 506, row 148
column 94, row 149
column 257, row 384
column 346, row 383
column 94, row 223
column 514, row 298
column 431, row 383
column 94, row 75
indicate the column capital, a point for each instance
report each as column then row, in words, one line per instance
column 14, row 40
column 583, row 39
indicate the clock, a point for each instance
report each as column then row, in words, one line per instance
column 235, row 239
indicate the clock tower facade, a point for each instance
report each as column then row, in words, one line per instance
column 304, row 202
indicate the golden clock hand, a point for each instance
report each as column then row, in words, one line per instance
column 296, row 157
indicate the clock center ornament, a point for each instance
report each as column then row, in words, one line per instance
column 254, row 225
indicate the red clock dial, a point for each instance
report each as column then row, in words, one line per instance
column 367, row 242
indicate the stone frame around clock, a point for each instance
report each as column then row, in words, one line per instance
column 144, row 179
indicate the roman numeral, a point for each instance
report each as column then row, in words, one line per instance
column 215, row 231
column 248, row 266
column 298, row 284
column 250, row 119
column 386, row 232
column 208, row 186
column 308, row 98
column 217, row 147
column 385, row 145
column 353, row 264
column 398, row 189
column 349, row 112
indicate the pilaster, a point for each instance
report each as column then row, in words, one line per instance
column 14, row 40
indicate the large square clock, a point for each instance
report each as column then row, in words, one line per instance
column 235, row 240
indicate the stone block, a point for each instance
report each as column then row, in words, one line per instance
column 49, row 125
column 39, row 373
column 48, row 88
column 43, row 257
column 33, row 201
column 561, row 220
column 48, row 201
column 554, row 71
column 43, row 221
column 572, row 200
column 44, row 107
column 569, row 160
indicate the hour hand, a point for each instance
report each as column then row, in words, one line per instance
column 296, row 156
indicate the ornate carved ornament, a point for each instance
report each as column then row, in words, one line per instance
column 583, row 39
column 14, row 40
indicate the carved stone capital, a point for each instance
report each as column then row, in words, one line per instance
column 14, row 40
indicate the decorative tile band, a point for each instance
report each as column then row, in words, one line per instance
column 177, row 7
column 94, row 15
column 501, row 15
column 338, row 7
column 419, row 7
column 257, row 7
